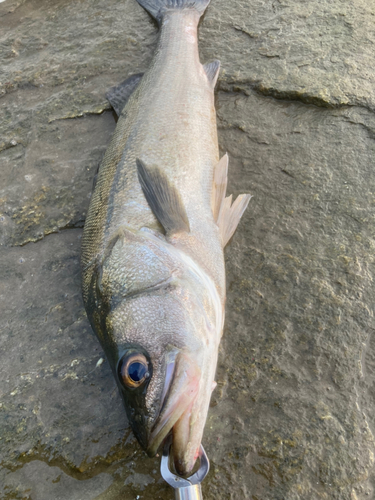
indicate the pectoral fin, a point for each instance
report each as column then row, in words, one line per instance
column 163, row 199
column 118, row 96
column 226, row 214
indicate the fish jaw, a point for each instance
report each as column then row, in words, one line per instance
column 184, row 410
column 184, row 403
column 181, row 394
column 188, row 430
column 186, row 444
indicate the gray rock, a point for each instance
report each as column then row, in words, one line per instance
column 293, row 414
column 39, row 480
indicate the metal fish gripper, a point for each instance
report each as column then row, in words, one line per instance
column 189, row 488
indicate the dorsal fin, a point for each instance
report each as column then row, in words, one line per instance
column 226, row 214
column 163, row 199
column 118, row 96
column 212, row 69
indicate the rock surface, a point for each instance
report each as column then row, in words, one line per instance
column 293, row 414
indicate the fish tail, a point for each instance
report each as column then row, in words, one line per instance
column 157, row 8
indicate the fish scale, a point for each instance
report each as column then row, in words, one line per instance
column 153, row 274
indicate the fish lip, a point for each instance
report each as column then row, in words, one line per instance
column 183, row 451
column 169, row 373
column 179, row 393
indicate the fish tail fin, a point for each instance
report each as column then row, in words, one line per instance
column 157, row 8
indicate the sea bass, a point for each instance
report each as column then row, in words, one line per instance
column 152, row 249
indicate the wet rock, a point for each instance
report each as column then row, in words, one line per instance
column 59, row 407
column 296, row 355
column 316, row 52
column 38, row 480
column 293, row 414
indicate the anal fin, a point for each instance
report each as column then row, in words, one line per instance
column 220, row 185
column 226, row 214
column 163, row 199
column 212, row 69
column 118, row 96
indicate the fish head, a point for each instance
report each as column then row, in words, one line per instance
column 163, row 350
column 165, row 370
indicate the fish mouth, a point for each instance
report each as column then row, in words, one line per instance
column 180, row 392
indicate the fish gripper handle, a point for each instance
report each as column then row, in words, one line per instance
column 192, row 492
column 185, row 489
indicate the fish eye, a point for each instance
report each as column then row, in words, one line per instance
column 133, row 369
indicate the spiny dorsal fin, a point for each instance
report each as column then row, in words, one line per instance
column 118, row 96
column 212, row 69
column 226, row 214
column 163, row 199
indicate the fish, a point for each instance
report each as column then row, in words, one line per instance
column 153, row 274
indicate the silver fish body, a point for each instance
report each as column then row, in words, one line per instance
column 152, row 251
